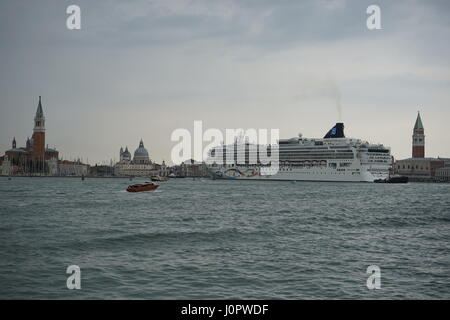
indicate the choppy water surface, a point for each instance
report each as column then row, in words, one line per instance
column 223, row 239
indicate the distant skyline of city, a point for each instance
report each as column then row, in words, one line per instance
column 141, row 70
column 114, row 160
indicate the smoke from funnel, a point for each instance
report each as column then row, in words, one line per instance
column 336, row 95
column 321, row 87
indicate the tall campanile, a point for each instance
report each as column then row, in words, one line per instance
column 418, row 139
column 39, row 133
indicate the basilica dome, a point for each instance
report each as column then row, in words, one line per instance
column 141, row 154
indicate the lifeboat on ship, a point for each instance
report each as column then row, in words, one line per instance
column 147, row 186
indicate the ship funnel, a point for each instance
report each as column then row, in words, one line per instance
column 336, row 132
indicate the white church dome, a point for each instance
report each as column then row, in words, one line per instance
column 141, row 154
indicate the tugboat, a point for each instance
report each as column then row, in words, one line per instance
column 394, row 179
column 147, row 186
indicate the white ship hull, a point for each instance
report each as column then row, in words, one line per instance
column 361, row 174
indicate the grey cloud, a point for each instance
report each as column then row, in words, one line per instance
column 180, row 60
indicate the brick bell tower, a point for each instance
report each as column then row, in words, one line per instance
column 418, row 139
column 39, row 133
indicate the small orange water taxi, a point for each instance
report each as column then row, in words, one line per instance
column 147, row 186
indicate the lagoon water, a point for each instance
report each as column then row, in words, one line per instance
column 208, row 239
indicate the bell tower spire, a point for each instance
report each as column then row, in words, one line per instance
column 39, row 119
column 39, row 132
column 418, row 139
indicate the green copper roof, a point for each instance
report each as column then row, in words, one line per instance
column 39, row 111
column 418, row 124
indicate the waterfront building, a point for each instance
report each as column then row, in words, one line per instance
column 36, row 158
column 125, row 156
column 72, row 168
column 5, row 166
column 101, row 170
column 35, row 149
column 140, row 165
column 164, row 170
column 190, row 168
column 419, row 167
column 443, row 174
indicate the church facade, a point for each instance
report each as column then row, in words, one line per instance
column 139, row 165
column 35, row 156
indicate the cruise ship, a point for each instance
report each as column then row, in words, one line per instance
column 331, row 158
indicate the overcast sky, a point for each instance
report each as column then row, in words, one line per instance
column 140, row 69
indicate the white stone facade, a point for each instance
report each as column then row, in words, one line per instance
column 135, row 169
column 5, row 169
column 443, row 174
column 72, row 169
